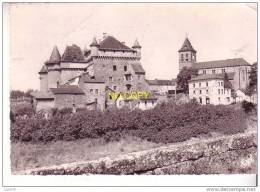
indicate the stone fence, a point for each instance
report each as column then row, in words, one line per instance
column 221, row 155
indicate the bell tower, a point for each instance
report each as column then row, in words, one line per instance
column 187, row 55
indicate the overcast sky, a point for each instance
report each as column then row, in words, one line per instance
column 216, row 31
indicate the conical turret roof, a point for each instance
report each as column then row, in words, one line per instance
column 94, row 42
column 43, row 69
column 187, row 46
column 55, row 55
column 136, row 44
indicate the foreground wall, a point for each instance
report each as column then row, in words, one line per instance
column 228, row 154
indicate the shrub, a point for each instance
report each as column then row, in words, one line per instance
column 167, row 123
column 248, row 106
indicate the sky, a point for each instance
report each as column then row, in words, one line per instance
column 216, row 30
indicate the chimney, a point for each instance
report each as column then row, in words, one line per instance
column 104, row 35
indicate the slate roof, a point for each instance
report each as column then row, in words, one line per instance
column 221, row 63
column 55, row 55
column 43, row 95
column 43, row 70
column 212, row 76
column 187, row 46
column 67, row 89
column 161, row 82
column 94, row 42
column 73, row 53
column 111, row 43
column 136, row 44
column 138, row 68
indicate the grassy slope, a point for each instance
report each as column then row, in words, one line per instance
column 28, row 155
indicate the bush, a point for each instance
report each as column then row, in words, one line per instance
column 165, row 123
column 248, row 106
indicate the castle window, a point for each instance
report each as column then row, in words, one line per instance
column 221, row 83
column 213, row 71
column 194, row 92
column 207, row 84
column 182, row 57
column 125, row 68
column 204, row 71
column 114, row 87
column 96, row 91
column 110, row 79
column 91, row 91
column 219, row 99
column 222, row 91
column 200, row 100
column 207, row 91
column 200, row 92
column 199, row 84
column 152, row 102
column 187, row 55
column 223, row 70
column 128, row 77
column 114, row 67
column 219, row 91
column 128, row 87
column 145, row 103
column 193, row 84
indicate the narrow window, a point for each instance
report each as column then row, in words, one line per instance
column 223, row 70
column 152, row 102
column 200, row 84
column 194, row 92
column 213, row 71
column 114, row 67
column 145, row 103
column 91, row 91
column 125, row 68
column 207, row 84
column 193, row 84
column 110, row 79
column 96, row 91
column 114, row 87
column 204, row 71
column 219, row 91
column 200, row 92
column 207, row 91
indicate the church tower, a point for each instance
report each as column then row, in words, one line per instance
column 187, row 55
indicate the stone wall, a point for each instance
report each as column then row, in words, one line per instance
column 226, row 154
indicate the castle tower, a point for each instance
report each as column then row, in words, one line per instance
column 137, row 47
column 187, row 55
column 53, row 66
column 43, row 79
column 94, row 47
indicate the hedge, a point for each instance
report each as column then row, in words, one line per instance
column 167, row 123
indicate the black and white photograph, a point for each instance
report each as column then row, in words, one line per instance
column 141, row 89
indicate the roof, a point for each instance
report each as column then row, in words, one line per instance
column 161, row 82
column 67, row 89
column 187, row 46
column 212, row 76
column 43, row 69
column 138, row 68
column 86, row 78
column 94, row 42
column 221, row 63
column 43, row 95
column 136, row 44
column 55, row 55
column 111, row 43
column 73, row 53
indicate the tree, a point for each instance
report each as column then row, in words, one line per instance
column 227, row 83
column 251, row 88
column 183, row 78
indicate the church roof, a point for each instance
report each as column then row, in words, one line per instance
column 187, row 46
column 55, row 55
column 136, row 44
column 111, row 43
column 160, row 82
column 138, row 68
column 73, row 53
column 67, row 89
column 221, row 63
column 43, row 69
column 213, row 76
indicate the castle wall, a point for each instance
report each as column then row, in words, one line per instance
column 67, row 100
column 67, row 74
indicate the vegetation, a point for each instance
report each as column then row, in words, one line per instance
column 166, row 123
column 15, row 94
column 248, row 107
column 183, row 78
column 252, row 80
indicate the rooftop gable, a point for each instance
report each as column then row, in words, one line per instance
column 186, row 46
column 212, row 77
column 138, row 68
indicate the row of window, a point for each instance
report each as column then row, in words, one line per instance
column 115, row 68
column 127, row 77
column 93, row 91
column 194, row 85
column 200, row 92
column 222, row 91
column 213, row 71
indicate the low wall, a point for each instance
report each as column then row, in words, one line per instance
column 222, row 155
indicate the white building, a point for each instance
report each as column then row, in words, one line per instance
column 209, row 89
